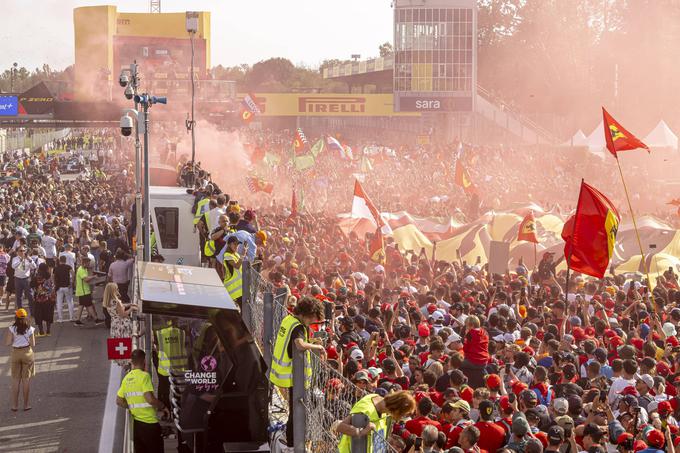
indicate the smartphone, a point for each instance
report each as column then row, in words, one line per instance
column 512, row 398
column 507, row 368
column 418, row 443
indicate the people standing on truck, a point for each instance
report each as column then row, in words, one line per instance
column 20, row 337
column 136, row 395
column 294, row 331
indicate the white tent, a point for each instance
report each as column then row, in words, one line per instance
column 661, row 137
column 579, row 139
column 595, row 141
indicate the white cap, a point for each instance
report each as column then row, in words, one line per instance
column 379, row 268
column 469, row 279
column 669, row 329
column 357, row 354
column 437, row 315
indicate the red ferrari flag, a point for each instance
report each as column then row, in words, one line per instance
column 527, row 229
column 462, row 178
column 256, row 184
column 617, row 137
column 590, row 234
column 119, row 348
column 376, row 248
column 299, row 141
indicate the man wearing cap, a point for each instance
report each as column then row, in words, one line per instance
column 644, row 384
column 460, row 413
column 520, row 433
column 655, row 441
column 556, row 438
column 492, row 436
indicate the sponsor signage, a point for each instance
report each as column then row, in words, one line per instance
column 9, row 106
column 310, row 104
column 426, row 103
column 205, row 379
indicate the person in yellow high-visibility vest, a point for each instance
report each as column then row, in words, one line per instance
column 233, row 262
column 136, row 395
column 294, row 331
column 172, row 356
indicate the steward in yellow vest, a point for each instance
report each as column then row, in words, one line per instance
column 172, row 356
column 233, row 263
column 136, row 394
column 294, row 332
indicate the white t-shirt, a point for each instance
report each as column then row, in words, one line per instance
column 70, row 259
column 50, row 245
column 21, row 341
column 619, row 384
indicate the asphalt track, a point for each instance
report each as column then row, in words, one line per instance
column 68, row 393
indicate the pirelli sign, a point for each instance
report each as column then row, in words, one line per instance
column 326, row 104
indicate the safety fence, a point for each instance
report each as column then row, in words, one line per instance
column 319, row 402
column 17, row 139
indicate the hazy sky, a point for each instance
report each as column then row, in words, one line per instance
column 243, row 31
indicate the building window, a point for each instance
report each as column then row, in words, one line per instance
column 167, row 227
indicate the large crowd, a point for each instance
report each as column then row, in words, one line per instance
column 461, row 359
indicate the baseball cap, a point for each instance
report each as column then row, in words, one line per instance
column 493, row 381
column 528, row 396
column 21, row 313
column 623, row 437
column 669, row 329
column 357, row 354
column 556, row 434
column 486, row 409
column 423, row 331
column 664, row 407
column 561, row 406
column 504, row 403
column 655, row 438
column 362, row 375
column 462, row 405
column 438, row 315
column 648, row 380
column 520, row 426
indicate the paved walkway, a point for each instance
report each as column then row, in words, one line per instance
column 68, row 393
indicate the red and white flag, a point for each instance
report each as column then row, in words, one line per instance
column 363, row 208
column 119, row 348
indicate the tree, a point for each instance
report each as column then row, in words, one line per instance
column 272, row 73
column 385, row 49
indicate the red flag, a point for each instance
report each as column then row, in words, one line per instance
column 256, row 184
column 590, row 234
column 674, row 202
column 376, row 248
column 299, row 141
column 363, row 208
column 527, row 229
column 617, row 137
column 119, row 348
column 462, row 178
column 246, row 116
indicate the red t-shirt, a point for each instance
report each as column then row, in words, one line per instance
column 476, row 347
column 454, row 434
column 491, row 436
column 505, row 424
column 416, row 425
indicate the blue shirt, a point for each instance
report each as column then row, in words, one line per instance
column 243, row 238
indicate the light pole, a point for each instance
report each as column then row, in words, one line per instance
column 129, row 79
column 192, row 29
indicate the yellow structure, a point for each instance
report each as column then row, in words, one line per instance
column 106, row 40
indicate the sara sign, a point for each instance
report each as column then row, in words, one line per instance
column 424, row 103
column 9, row 106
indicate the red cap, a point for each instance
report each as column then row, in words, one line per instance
column 518, row 386
column 629, row 390
column 331, row 353
column 590, row 331
column 674, row 404
column 664, row 407
column 431, row 308
column 423, row 330
column 638, row 343
column 543, row 437
column 662, row 369
column 470, row 300
column 655, row 438
column 493, row 381
column 504, row 403
column 529, row 350
column 579, row 334
column 673, row 341
column 610, row 305
column 639, row 445
column 609, row 333
column 623, row 437
column 616, row 341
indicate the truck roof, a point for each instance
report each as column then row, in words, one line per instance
column 174, row 290
column 168, row 192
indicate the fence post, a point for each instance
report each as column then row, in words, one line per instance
column 359, row 444
column 246, row 302
column 299, row 414
column 268, row 327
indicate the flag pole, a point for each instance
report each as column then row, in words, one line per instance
column 637, row 234
column 535, row 257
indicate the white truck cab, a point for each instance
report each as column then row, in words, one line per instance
column 172, row 219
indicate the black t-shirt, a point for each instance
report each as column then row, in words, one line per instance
column 298, row 332
column 62, row 275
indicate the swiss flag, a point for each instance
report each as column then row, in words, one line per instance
column 119, row 348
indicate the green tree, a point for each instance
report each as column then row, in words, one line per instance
column 385, row 49
column 273, row 73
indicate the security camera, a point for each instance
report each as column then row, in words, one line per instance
column 124, row 79
column 126, row 125
column 129, row 92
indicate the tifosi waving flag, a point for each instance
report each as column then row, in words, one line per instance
column 376, row 248
column 249, row 108
column 299, row 141
column 462, row 178
column 256, row 184
column 363, row 208
column 618, row 138
column 527, row 229
column 590, row 234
